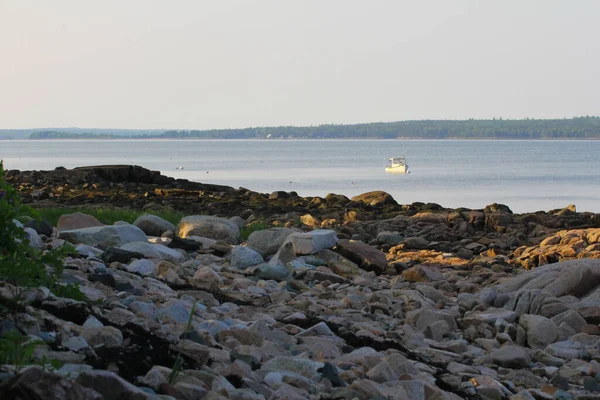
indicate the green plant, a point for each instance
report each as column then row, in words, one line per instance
column 105, row 215
column 252, row 227
column 17, row 350
column 178, row 364
column 23, row 266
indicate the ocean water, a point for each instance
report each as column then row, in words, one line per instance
column 525, row 175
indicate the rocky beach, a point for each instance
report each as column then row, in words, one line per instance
column 336, row 298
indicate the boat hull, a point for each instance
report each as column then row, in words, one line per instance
column 397, row 170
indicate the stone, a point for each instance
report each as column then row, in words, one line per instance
column 567, row 350
column 42, row 227
column 153, row 225
column 105, row 336
column 375, row 198
column 77, row 220
column 110, row 385
column 422, row 273
column 266, row 242
column 415, row 243
column 115, row 254
column 273, row 272
column 209, row 227
column 35, row 384
column 155, row 251
column 105, row 236
column 541, row 331
column 511, row 356
column 243, row 257
column 314, row 241
column 144, row 267
column 423, row 317
column 206, row 278
column 366, row 257
column 34, row 238
column 304, row 367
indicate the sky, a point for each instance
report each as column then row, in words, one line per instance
column 191, row 64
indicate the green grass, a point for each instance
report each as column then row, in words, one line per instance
column 107, row 215
column 251, row 227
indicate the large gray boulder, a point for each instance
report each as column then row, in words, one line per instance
column 540, row 291
column 155, row 251
column 541, row 331
column 153, row 225
column 314, row 241
column 268, row 241
column 210, row 227
column 105, row 236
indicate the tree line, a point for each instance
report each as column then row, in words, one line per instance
column 572, row 128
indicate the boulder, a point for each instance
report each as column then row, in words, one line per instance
column 36, row 384
column 110, row 385
column 153, row 225
column 541, row 331
column 375, row 198
column 115, row 254
column 210, row 227
column 366, row 257
column 314, row 241
column 155, row 251
column 268, row 241
column 105, row 236
column 511, row 356
column 69, row 222
column 244, row 257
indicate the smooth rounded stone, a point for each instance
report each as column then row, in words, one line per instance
column 72, row 371
column 266, row 242
column 244, row 257
column 105, row 236
column 34, row 238
column 206, row 278
column 304, row 367
column 567, row 350
column 511, row 356
column 106, row 336
column 366, row 257
column 209, row 227
column 110, row 385
column 155, row 251
column 424, row 317
column 541, row 331
column 273, row 272
column 144, row 267
column 153, row 225
column 77, row 220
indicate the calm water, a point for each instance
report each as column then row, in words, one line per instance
column 525, row 175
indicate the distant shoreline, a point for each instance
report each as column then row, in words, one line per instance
column 290, row 139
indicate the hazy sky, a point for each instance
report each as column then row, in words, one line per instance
column 218, row 64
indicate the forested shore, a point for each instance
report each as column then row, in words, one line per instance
column 573, row 128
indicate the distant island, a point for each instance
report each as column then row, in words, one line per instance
column 571, row 128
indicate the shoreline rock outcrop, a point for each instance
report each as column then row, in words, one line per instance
column 388, row 301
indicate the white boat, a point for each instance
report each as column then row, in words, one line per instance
column 397, row 165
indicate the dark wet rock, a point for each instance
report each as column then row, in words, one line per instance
column 35, row 384
column 363, row 255
column 115, row 254
column 184, row 244
column 153, row 225
column 41, row 227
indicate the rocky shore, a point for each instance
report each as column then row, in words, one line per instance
column 360, row 298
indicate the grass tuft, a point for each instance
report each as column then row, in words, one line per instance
column 106, row 215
